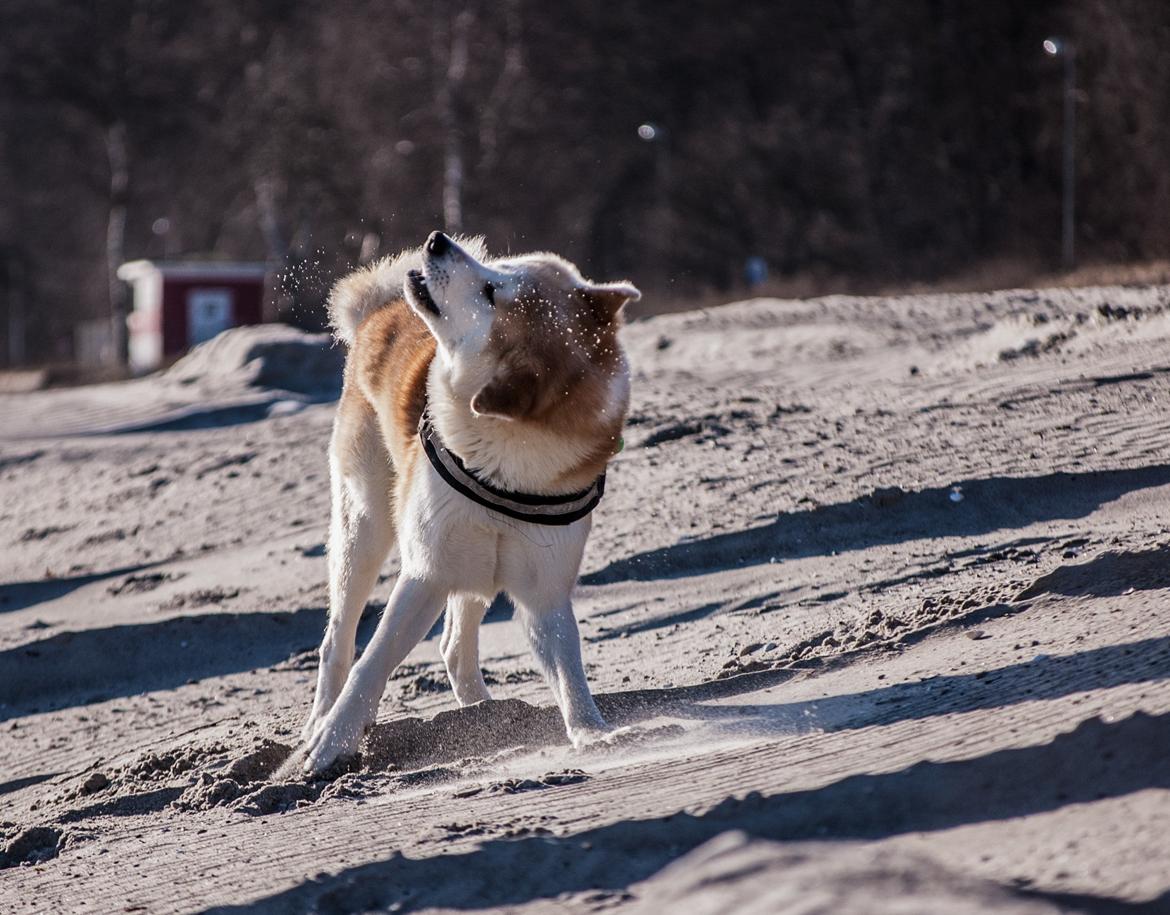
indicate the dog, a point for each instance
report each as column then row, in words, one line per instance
column 482, row 401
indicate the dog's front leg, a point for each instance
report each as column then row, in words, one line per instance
column 357, row 547
column 361, row 532
column 556, row 643
column 413, row 608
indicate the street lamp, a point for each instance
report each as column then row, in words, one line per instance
column 1059, row 47
column 657, row 136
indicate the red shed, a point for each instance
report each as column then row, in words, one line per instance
column 178, row 304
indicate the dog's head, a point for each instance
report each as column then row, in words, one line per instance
column 519, row 336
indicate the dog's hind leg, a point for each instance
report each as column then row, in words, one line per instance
column 360, row 536
column 460, row 648
column 556, row 642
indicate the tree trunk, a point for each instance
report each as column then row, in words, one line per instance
column 446, row 101
column 119, row 161
column 16, row 323
column 268, row 212
column 489, row 121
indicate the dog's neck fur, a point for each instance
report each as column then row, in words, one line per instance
column 517, row 455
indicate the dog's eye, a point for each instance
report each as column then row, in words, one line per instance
column 489, row 293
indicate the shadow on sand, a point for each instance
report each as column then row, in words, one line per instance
column 198, row 417
column 1096, row 760
column 998, row 503
column 19, row 595
column 92, row 665
column 1107, row 575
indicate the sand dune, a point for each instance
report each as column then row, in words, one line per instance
column 878, row 593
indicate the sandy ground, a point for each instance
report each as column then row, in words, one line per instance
column 880, row 585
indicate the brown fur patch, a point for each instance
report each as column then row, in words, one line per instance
column 387, row 372
column 557, row 352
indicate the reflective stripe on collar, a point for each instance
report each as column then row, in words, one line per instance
column 553, row 510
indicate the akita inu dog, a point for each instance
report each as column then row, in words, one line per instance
column 483, row 399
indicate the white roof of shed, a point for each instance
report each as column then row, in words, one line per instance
column 133, row 271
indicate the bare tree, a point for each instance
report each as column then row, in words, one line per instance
column 841, row 141
column 118, row 156
column 451, row 54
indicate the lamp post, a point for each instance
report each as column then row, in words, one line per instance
column 1059, row 47
column 657, row 136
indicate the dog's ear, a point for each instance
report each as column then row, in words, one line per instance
column 607, row 299
column 511, row 394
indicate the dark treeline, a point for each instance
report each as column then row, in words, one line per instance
column 905, row 141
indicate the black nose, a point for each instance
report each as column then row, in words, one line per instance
column 437, row 244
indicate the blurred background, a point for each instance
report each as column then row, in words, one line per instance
column 707, row 150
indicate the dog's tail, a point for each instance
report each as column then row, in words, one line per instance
column 364, row 291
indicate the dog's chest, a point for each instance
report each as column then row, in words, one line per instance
column 447, row 538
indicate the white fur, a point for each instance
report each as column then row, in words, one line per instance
column 511, row 455
column 364, row 291
column 455, row 554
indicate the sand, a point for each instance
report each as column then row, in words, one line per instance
column 878, row 594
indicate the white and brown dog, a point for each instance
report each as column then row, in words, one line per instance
column 483, row 399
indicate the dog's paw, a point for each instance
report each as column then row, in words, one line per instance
column 585, row 738
column 329, row 746
column 624, row 738
column 337, row 738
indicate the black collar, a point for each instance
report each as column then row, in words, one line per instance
column 552, row 510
